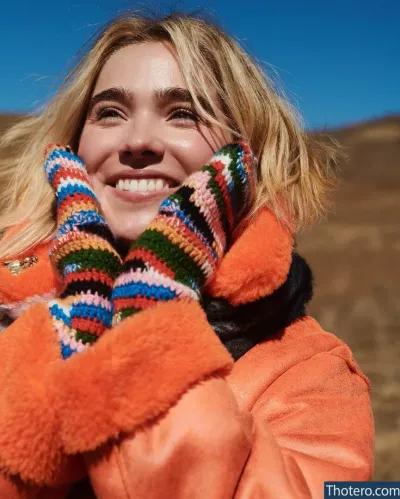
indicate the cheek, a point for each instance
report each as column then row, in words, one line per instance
column 92, row 149
column 194, row 152
column 85, row 149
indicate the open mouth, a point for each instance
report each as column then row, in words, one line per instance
column 144, row 185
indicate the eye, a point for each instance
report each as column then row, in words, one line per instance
column 184, row 114
column 107, row 113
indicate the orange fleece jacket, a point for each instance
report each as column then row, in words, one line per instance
column 166, row 363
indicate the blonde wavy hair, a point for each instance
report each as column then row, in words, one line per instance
column 295, row 170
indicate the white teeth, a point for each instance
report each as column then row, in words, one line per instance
column 143, row 185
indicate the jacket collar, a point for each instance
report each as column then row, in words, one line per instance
column 256, row 265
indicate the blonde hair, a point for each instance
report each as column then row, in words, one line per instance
column 295, row 171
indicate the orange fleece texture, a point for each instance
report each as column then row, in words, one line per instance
column 257, row 263
column 29, row 436
column 32, row 282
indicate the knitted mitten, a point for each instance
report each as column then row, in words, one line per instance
column 82, row 250
column 181, row 248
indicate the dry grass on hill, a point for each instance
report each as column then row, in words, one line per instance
column 7, row 120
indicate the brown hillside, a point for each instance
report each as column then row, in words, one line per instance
column 354, row 256
column 6, row 120
column 374, row 149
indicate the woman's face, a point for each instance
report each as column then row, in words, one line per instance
column 142, row 137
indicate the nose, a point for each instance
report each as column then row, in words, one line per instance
column 142, row 143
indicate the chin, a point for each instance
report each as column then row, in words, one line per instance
column 128, row 229
column 128, row 235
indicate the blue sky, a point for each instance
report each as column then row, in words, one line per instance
column 338, row 61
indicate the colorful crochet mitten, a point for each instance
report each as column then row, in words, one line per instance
column 181, row 248
column 83, row 252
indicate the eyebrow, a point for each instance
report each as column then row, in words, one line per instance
column 172, row 94
column 162, row 96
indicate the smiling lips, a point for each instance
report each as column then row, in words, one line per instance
column 143, row 189
column 142, row 185
column 139, row 185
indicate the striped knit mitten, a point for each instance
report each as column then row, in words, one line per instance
column 82, row 250
column 179, row 251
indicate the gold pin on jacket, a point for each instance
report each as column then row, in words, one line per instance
column 18, row 266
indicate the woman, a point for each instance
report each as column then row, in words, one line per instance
column 155, row 334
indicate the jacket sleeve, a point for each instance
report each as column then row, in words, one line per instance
column 312, row 424
column 53, row 410
column 31, row 450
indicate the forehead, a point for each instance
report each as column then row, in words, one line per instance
column 141, row 67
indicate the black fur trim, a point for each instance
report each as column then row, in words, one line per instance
column 243, row 326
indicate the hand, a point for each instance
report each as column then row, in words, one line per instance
column 182, row 247
column 83, row 252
